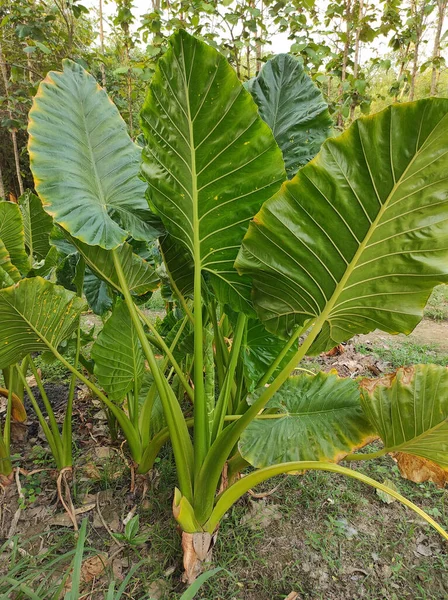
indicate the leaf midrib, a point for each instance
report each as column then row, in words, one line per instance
column 102, row 199
column 317, row 412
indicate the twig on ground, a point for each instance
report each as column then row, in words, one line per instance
column 105, row 525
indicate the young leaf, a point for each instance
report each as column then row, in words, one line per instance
column 9, row 274
column 97, row 293
column 293, row 107
column 12, row 235
column 258, row 351
column 118, row 357
column 359, row 237
column 37, row 225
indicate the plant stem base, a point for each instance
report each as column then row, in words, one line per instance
column 197, row 549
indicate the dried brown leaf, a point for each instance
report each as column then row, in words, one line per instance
column 419, row 469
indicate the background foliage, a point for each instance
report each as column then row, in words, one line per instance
column 363, row 55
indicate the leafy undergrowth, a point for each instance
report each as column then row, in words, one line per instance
column 319, row 535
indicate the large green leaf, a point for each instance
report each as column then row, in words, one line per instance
column 117, row 354
column 293, row 107
column 210, row 160
column 409, row 409
column 12, row 235
column 84, row 163
column 322, row 419
column 37, row 225
column 9, row 274
column 35, row 315
column 140, row 275
column 359, row 237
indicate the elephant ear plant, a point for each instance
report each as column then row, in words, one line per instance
column 264, row 270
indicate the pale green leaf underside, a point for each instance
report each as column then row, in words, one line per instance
column 12, row 235
column 84, row 163
column 117, row 354
column 410, row 413
column 35, row 315
column 140, row 275
column 293, row 107
column 360, row 236
column 323, row 420
column 210, row 160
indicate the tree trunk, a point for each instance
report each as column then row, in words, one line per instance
column 129, row 92
column 13, row 132
column 259, row 45
column 2, row 185
column 403, row 62
column 347, row 17
column 441, row 9
column 102, row 66
column 357, row 48
column 419, row 16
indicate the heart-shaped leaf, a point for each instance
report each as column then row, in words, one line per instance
column 358, row 239
column 293, row 107
column 84, row 163
column 117, row 354
column 210, row 160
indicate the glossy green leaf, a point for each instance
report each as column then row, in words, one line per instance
column 9, row 274
column 293, row 107
column 359, row 237
column 97, row 293
column 84, row 163
column 118, row 357
column 12, row 235
column 409, row 409
column 210, row 160
column 37, row 225
column 65, row 271
column 140, row 275
column 178, row 263
column 322, row 419
column 35, row 315
column 259, row 349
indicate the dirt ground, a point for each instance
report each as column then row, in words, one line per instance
column 426, row 332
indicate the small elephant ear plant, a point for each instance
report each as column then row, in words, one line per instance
column 265, row 267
